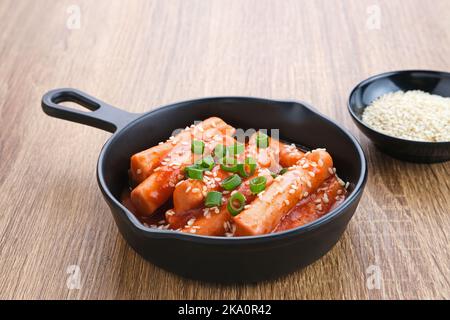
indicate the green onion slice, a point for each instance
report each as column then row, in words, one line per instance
column 197, row 146
column 213, row 199
column 220, row 151
column 231, row 205
column 236, row 148
column 283, row 171
column 258, row 184
column 274, row 175
column 206, row 163
column 228, row 164
column 194, row 172
column 231, row 182
column 249, row 164
column 262, row 140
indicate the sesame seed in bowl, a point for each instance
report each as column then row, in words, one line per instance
column 412, row 115
column 406, row 114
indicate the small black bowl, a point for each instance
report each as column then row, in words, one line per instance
column 366, row 92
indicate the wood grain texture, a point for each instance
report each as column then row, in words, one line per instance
column 139, row 55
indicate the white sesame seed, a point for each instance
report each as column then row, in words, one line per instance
column 417, row 115
column 305, row 194
column 138, row 171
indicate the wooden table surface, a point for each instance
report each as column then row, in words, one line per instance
column 139, row 55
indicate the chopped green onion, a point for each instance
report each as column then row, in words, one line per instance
column 206, row 163
column 262, row 140
column 213, row 199
column 220, row 151
column 236, row 148
column 197, row 146
column 249, row 164
column 274, row 175
column 258, row 184
column 228, row 164
column 231, row 182
column 194, row 172
column 232, row 208
column 283, row 171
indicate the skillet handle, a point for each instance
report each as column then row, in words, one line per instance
column 102, row 115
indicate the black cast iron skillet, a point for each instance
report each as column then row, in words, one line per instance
column 218, row 259
column 434, row 82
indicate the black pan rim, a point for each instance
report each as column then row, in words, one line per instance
column 392, row 138
column 157, row 233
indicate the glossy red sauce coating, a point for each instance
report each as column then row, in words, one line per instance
column 315, row 205
column 155, row 195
